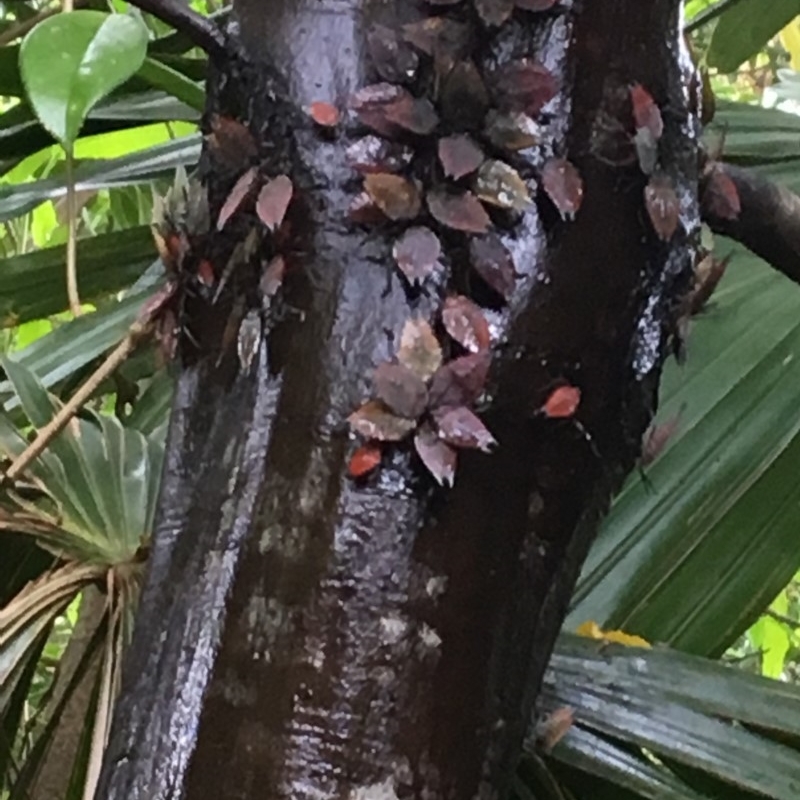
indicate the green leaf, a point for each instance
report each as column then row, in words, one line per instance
column 591, row 753
column 769, row 636
column 638, row 711
column 69, row 62
column 142, row 107
column 755, row 136
column 160, row 76
column 99, row 472
column 772, row 638
column 70, row 480
column 29, row 615
column 70, row 347
column 744, row 29
column 151, row 410
column 21, row 135
column 157, row 161
column 693, row 7
column 694, row 560
column 32, row 285
column 99, row 647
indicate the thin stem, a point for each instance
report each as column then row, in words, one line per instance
column 72, row 212
column 72, row 233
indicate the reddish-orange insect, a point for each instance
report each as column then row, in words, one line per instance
column 365, row 459
column 562, row 402
column 646, row 113
column 324, row 114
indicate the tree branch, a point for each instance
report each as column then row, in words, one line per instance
column 200, row 30
column 768, row 223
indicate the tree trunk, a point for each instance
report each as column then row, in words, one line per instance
column 307, row 636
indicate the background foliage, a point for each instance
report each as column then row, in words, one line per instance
column 699, row 555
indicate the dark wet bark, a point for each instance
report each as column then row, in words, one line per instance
column 768, row 223
column 303, row 636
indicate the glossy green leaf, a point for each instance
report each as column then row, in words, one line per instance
column 693, row 562
column 158, row 161
column 773, row 641
column 21, row 135
column 73, row 345
column 98, row 471
column 743, row 29
column 70, row 480
column 586, row 751
column 69, row 62
column 151, row 410
column 772, row 638
column 630, row 705
column 32, row 285
column 693, row 557
column 161, row 76
column 703, row 685
column 753, row 135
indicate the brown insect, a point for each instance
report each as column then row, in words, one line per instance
column 656, row 438
column 554, row 727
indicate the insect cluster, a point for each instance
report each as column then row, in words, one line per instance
column 182, row 227
column 661, row 200
column 181, row 221
column 442, row 166
column 449, row 157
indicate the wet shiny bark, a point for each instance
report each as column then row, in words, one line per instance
column 303, row 636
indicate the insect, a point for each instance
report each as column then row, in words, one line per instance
column 179, row 219
column 554, row 727
column 562, row 402
column 248, row 340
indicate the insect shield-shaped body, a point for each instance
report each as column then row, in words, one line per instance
column 249, row 339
